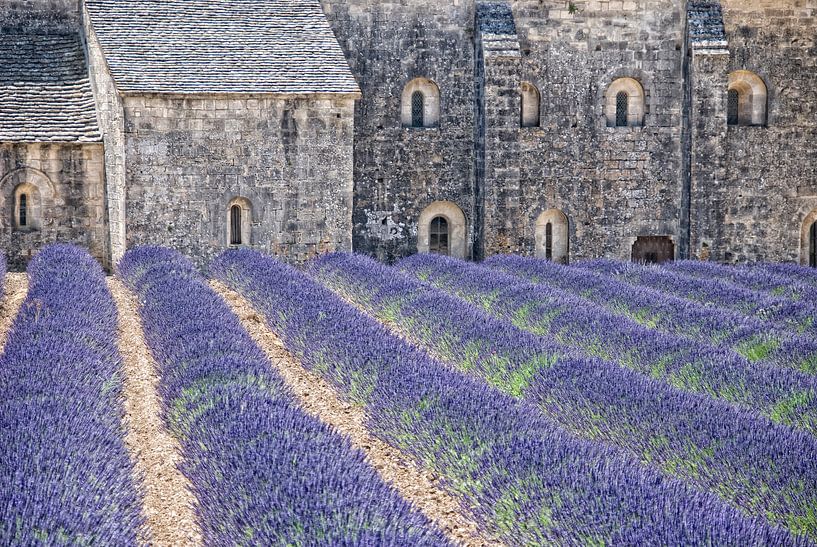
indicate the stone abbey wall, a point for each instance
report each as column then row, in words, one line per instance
column 762, row 191
column 399, row 171
column 189, row 159
column 64, row 186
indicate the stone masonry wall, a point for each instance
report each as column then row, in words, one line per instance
column 65, row 192
column 187, row 158
column 612, row 183
column 400, row 171
column 763, row 182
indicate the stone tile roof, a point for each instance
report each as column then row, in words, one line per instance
column 705, row 24
column 45, row 94
column 220, row 46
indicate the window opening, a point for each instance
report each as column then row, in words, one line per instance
column 23, row 211
column 732, row 107
column 622, row 107
column 438, row 236
column 235, row 225
column 549, row 241
column 417, row 109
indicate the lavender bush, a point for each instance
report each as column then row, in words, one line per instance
column 262, row 470
column 755, row 279
column 521, row 475
column 776, row 311
column 65, row 474
column 711, row 444
column 793, row 272
column 781, row 395
column 752, row 338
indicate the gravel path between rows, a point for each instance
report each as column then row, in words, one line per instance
column 168, row 496
column 318, row 398
column 14, row 293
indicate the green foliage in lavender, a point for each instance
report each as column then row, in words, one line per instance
column 520, row 474
column 263, row 471
column 784, row 396
column 65, row 474
column 776, row 311
column 714, row 445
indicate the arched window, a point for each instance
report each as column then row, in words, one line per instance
column 22, row 211
column 549, row 241
column 235, row 225
column 438, row 236
column 622, row 107
column 732, row 104
column 747, row 99
column 812, row 256
column 239, row 222
column 417, row 109
column 27, row 207
column 625, row 103
column 441, row 229
column 420, row 104
column 530, row 104
column 552, row 236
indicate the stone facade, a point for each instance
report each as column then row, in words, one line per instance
column 189, row 158
column 566, row 130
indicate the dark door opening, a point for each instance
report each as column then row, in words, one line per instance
column 653, row 249
column 812, row 255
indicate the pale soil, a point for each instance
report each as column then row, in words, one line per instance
column 168, row 497
column 14, row 293
column 318, row 398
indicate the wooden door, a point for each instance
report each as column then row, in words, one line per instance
column 653, row 249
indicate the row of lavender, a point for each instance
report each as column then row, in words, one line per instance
column 775, row 310
column 752, row 337
column 519, row 473
column 796, row 283
column 263, row 472
column 65, row 473
column 711, row 444
column 782, row 395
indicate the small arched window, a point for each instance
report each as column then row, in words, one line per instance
column 746, row 100
column 552, row 236
column 235, row 225
column 625, row 103
column 239, row 222
column 549, row 241
column 530, row 105
column 732, row 104
column 420, row 104
column 22, row 211
column 812, row 260
column 417, row 109
column 438, row 236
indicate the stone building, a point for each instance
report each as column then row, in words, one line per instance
column 636, row 129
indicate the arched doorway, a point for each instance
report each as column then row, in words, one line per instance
column 808, row 240
column 441, row 229
column 653, row 249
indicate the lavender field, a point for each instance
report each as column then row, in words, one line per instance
column 432, row 402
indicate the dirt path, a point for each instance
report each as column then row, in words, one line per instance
column 169, row 501
column 14, row 293
column 318, row 398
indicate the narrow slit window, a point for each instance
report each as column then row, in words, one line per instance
column 812, row 260
column 622, row 108
column 417, row 109
column 22, row 219
column 438, row 236
column 733, row 107
column 549, row 241
column 235, row 225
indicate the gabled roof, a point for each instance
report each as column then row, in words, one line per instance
column 220, row 46
column 45, row 94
